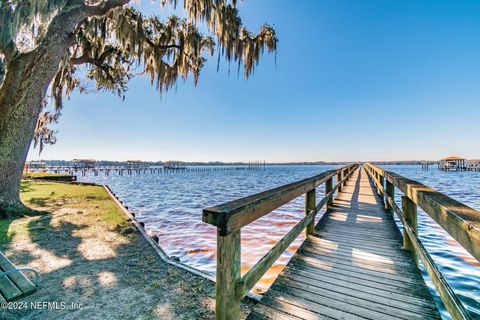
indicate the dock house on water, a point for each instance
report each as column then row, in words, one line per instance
column 452, row 164
column 174, row 165
column 83, row 164
column 135, row 164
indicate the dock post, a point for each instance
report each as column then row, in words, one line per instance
column 310, row 204
column 228, row 275
column 382, row 183
column 389, row 193
column 328, row 188
column 339, row 178
column 409, row 209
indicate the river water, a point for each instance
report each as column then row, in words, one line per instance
column 171, row 207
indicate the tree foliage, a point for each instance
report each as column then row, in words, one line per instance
column 115, row 41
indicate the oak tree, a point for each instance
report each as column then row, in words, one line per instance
column 48, row 48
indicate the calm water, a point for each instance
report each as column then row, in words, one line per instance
column 460, row 269
column 171, row 207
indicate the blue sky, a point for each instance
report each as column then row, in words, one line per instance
column 354, row 80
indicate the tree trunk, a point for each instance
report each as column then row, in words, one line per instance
column 21, row 101
column 22, row 96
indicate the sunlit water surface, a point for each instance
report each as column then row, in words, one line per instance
column 171, row 207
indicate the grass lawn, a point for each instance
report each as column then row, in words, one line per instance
column 88, row 254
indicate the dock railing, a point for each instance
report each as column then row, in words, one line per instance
column 459, row 220
column 231, row 217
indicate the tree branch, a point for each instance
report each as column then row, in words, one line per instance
column 106, row 6
column 7, row 46
column 9, row 50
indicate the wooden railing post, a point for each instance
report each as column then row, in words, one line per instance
column 310, row 204
column 339, row 178
column 328, row 188
column 228, row 276
column 389, row 193
column 381, row 180
column 409, row 209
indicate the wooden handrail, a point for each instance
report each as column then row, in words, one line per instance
column 234, row 215
column 230, row 217
column 459, row 220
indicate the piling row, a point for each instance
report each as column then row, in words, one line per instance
column 137, row 171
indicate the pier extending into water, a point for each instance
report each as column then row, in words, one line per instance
column 355, row 263
column 142, row 169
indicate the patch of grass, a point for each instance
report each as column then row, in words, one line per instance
column 92, row 203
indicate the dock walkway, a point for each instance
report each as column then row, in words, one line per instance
column 352, row 267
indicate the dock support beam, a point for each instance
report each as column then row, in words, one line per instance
column 409, row 209
column 310, row 204
column 228, row 275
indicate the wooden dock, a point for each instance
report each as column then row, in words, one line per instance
column 355, row 263
column 353, row 267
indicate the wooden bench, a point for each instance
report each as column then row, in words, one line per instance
column 13, row 283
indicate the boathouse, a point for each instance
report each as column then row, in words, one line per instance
column 84, row 163
column 452, row 164
column 174, row 165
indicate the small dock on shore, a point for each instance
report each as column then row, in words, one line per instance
column 355, row 263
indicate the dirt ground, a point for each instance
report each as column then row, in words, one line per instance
column 92, row 264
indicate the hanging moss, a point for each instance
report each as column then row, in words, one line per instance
column 111, row 46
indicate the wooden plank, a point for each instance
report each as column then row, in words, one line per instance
column 360, row 297
column 374, row 276
column 377, row 272
column 305, row 309
column 18, row 278
column 369, row 238
column 8, row 288
column 322, row 304
column 346, row 254
column 326, row 243
column 367, row 262
column 361, row 242
column 360, row 304
column 388, row 288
